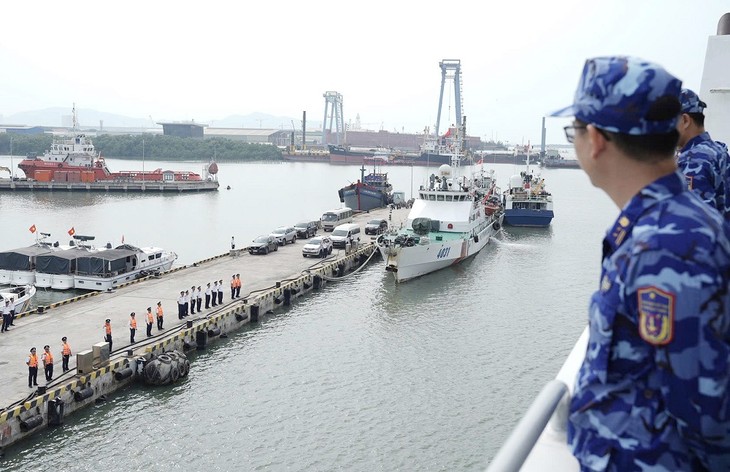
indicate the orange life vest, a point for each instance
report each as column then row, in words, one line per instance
column 66, row 349
column 108, row 327
column 47, row 358
column 150, row 319
column 238, row 283
column 133, row 323
column 159, row 311
column 233, row 283
column 33, row 362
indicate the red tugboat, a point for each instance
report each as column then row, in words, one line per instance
column 74, row 159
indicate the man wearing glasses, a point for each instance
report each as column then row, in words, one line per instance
column 652, row 392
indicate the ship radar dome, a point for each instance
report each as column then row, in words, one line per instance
column 444, row 170
column 515, row 181
column 213, row 168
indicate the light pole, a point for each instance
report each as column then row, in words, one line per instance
column 11, row 158
column 142, row 159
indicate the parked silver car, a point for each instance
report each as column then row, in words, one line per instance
column 284, row 235
column 320, row 246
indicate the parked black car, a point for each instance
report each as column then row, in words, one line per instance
column 306, row 229
column 263, row 245
column 376, row 226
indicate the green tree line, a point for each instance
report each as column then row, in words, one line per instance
column 169, row 148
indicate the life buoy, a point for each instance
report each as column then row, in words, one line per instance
column 496, row 226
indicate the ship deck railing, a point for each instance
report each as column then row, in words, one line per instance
column 539, row 441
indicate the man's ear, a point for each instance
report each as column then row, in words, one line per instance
column 597, row 140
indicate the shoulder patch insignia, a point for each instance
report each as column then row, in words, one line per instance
column 656, row 315
column 690, row 181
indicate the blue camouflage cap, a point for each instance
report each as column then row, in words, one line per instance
column 616, row 93
column 691, row 102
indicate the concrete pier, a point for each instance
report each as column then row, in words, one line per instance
column 269, row 282
column 22, row 185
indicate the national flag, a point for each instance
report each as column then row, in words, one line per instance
column 480, row 161
column 32, row 229
column 72, row 231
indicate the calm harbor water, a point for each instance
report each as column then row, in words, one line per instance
column 364, row 375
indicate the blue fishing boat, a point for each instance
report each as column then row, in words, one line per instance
column 369, row 192
column 526, row 201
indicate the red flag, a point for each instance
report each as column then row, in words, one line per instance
column 480, row 161
column 72, row 231
column 32, row 229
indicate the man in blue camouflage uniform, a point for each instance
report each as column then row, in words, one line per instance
column 702, row 160
column 652, row 392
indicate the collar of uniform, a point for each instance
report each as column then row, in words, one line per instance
column 657, row 191
column 700, row 138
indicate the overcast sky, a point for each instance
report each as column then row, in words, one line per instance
column 206, row 60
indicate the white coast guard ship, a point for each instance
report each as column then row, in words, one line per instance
column 452, row 219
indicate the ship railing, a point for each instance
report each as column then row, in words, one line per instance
column 539, row 441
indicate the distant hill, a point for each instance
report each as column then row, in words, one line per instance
column 88, row 118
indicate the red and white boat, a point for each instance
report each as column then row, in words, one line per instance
column 74, row 159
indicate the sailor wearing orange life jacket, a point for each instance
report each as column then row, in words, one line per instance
column 32, row 362
column 150, row 321
column 159, row 316
column 66, row 353
column 47, row 362
column 233, row 286
column 132, row 327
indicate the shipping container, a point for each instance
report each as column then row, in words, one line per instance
column 87, row 176
column 43, row 175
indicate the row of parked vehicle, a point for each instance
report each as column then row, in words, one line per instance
column 317, row 246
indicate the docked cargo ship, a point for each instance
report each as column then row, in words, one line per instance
column 349, row 155
column 74, row 159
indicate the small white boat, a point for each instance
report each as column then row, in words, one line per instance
column 19, row 297
column 105, row 270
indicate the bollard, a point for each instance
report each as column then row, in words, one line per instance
column 40, row 309
column 189, row 324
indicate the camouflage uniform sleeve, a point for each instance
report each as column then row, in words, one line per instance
column 680, row 304
column 701, row 178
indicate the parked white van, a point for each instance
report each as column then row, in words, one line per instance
column 337, row 217
column 343, row 234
